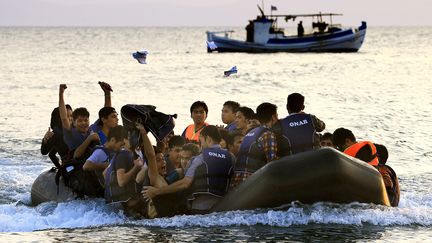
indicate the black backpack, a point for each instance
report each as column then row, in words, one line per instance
column 158, row 123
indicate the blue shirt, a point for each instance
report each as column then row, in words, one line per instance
column 231, row 127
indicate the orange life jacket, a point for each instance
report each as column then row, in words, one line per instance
column 354, row 149
column 192, row 135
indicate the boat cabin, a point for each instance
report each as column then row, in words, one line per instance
column 264, row 27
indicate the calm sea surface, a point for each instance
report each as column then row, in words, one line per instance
column 383, row 93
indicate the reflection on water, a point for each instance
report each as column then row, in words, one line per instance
column 256, row 233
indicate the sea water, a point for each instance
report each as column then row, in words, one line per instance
column 382, row 93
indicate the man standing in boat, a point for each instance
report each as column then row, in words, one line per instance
column 300, row 29
column 299, row 130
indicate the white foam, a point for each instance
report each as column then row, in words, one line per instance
column 320, row 213
column 93, row 213
column 79, row 213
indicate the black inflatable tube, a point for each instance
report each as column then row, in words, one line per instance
column 324, row 175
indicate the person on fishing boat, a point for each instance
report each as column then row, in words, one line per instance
column 199, row 112
column 299, row 130
column 228, row 115
column 207, row 175
column 300, row 29
column 258, row 147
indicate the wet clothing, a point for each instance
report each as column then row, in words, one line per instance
column 191, row 134
column 259, row 147
column 113, row 192
column 365, row 151
column 299, row 133
column 391, row 183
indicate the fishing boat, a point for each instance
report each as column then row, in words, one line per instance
column 263, row 35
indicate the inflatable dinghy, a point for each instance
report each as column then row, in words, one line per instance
column 44, row 189
column 324, row 175
column 158, row 123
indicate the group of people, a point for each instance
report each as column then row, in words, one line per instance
column 188, row 173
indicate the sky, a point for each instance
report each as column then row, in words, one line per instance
column 204, row 12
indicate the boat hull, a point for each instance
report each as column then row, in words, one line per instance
column 44, row 189
column 340, row 41
column 325, row 175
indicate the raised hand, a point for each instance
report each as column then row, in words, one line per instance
column 140, row 128
column 105, row 87
column 62, row 88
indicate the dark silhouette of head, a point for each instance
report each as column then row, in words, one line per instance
column 295, row 103
column 55, row 117
column 265, row 111
column 212, row 132
column 340, row 136
column 247, row 112
column 234, row 106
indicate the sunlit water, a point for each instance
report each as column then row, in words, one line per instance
column 383, row 93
